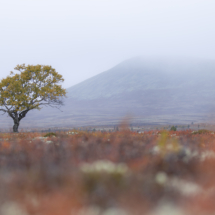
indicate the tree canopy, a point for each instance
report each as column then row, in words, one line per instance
column 30, row 88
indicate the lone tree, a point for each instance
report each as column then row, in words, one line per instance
column 30, row 88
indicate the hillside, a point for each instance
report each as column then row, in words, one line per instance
column 137, row 75
column 149, row 90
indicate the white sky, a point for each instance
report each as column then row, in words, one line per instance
column 81, row 38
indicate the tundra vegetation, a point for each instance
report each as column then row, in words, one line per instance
column 31, row 88
column 106, row 173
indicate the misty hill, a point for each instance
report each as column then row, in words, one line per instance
column 139, row 75
column 149, row 90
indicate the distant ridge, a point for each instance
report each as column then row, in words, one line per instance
column 158, row 91
column 139, row 74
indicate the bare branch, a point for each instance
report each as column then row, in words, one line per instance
column 3, row 110
column 23, row 114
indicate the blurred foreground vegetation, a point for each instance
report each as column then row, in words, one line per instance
column 102, row 173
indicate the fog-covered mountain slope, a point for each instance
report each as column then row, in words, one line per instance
column 143, row 75
column 159, row 91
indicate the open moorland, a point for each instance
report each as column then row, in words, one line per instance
column 148, row 91
column 107, row 173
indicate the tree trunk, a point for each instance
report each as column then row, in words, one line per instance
column 16, row 126
column 17, row 118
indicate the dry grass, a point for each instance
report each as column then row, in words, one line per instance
column 107, row 173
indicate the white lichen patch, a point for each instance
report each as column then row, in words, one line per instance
column 207, row 155
column 12, row 208
column 168, row 209
column 185, row 188
column 104, row 166
column 48, row 142
column 156, row 150
column 71, row 132
column 189, row 155
column 161, row 178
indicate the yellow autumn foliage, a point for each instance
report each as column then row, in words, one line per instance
column 32, row 87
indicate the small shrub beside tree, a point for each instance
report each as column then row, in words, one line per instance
column 50, row 134
column 173, row 128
